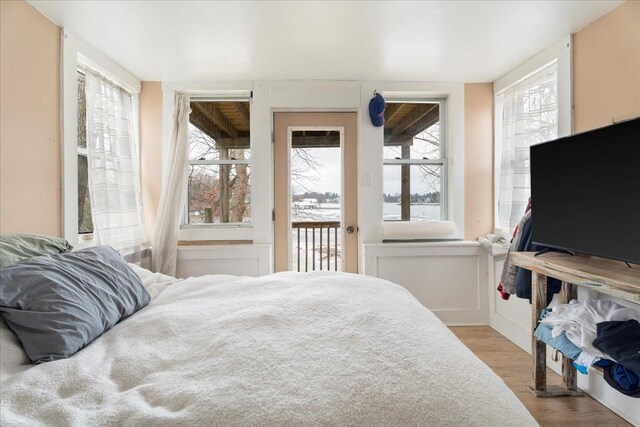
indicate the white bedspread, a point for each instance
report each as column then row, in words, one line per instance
column 286, row 349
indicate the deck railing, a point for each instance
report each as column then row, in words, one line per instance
column 328, row 231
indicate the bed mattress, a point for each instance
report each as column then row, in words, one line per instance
column 285, row 349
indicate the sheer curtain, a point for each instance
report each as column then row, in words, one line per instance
column 165, row 240
column 114, row 178
column 529, row 116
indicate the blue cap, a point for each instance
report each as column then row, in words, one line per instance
column 376, row 110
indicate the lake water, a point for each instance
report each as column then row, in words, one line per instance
column 390, row 212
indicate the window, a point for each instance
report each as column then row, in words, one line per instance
column 527, row 113
column 108, row 182
column 414, row 166
column 532, row 104
column 100, row 105
column 85, row 221
column 219, row 172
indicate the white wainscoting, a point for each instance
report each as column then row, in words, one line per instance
column 238, row 260
column 449, row 278
column 512, row 319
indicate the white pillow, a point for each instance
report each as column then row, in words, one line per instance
column 415, row 230
column 154, row 283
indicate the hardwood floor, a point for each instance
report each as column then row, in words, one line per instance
column 513, row 365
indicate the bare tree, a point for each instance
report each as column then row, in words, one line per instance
column 220, row 191
column 85, row 220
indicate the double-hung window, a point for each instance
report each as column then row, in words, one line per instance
column 414, row 164
column 219, row 170
column 101, row 180
column 526, row 114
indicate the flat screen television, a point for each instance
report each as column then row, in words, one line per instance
column 585, row 192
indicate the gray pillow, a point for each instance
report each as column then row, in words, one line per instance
column 57, row 304
column 18, row 247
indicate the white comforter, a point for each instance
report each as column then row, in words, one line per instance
column 285, row 349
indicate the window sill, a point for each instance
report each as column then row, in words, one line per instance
column 84, row 241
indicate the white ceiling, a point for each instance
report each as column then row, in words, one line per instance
column 469, row 41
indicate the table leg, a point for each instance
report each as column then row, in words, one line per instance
column 538, row 348
column 569, row 375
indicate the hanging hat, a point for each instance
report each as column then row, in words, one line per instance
column 376, row 110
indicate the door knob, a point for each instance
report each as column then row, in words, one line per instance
column 350, row 229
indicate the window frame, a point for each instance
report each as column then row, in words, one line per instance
column 222, row 92
column 77, row 55
column 559, row 52
column 84, row 152
column 442, row 161
column 184, row 222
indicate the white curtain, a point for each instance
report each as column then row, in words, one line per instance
column 529, row 116
column 114, row 178
column 165, row 240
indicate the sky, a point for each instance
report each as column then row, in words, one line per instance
column 327, row 176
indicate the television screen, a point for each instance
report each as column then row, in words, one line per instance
column 585, row 192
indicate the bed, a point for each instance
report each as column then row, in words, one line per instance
column 285, row 349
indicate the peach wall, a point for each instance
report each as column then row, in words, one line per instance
column 30, row 181
column 478, row 163
column 606, row 68
column 151, row 151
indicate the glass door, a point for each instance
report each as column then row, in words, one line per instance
column 315, row 192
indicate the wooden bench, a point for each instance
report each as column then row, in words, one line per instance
column 609, row 277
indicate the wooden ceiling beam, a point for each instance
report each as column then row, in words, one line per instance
column 425, row 122
column 240, row 142
column 298, row 141
column 404, row 139
column 209, row 110
column 316, row 141
column 412, row 117
column 243, row 111
column 391, row 111
column 201, row 122
column 398, row 140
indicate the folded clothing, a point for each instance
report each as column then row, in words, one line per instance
column 622, row 379
column 561, row 343
column 620, row 339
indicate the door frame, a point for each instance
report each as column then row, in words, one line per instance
column 345, row 122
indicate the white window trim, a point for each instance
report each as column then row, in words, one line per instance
column 334, row 95
column 214, row 92
column 442, row 161
column 559, row 52
column 75, row 53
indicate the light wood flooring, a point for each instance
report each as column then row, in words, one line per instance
column 513, row 365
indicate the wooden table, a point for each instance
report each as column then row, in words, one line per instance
column 609, row 277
